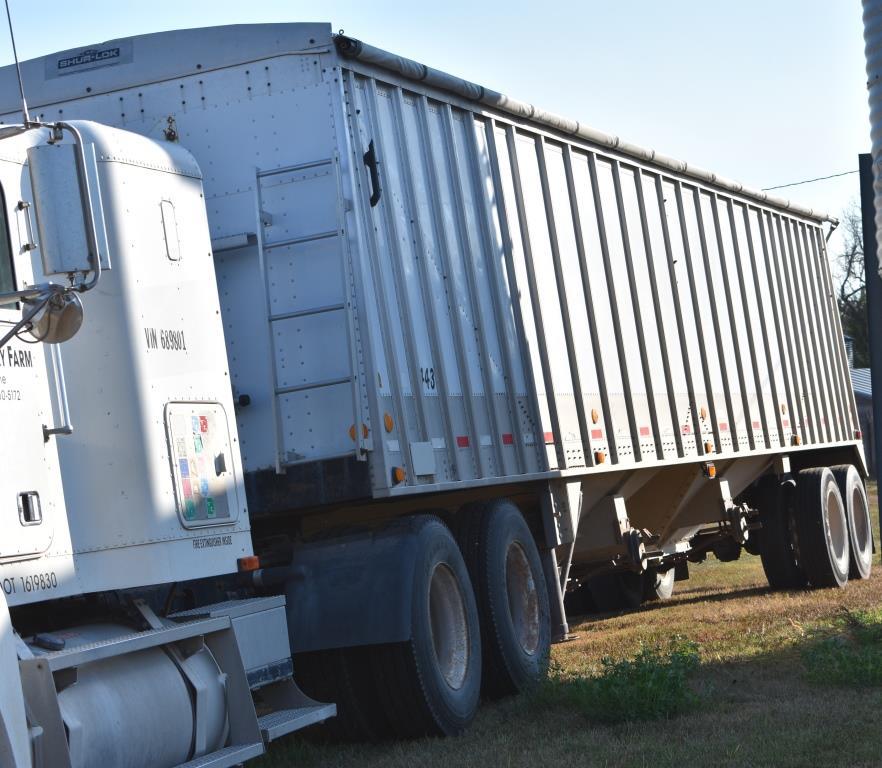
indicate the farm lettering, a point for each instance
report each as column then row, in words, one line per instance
column 10, row 357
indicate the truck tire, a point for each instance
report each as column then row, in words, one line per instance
column 658, row 584
column 431, row 684
column 777, row 542
column 616, row 591
column 857, row 513
column 822, row 528
column 513, row 606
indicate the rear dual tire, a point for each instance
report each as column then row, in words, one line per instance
column 818, row 534
column 512, row 598
column 822, row 528
column 778, row 548
column 658, row 584
column 857, row 513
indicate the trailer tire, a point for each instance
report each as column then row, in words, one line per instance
column 857, row 513
column 430, row 685
column 579, row 602
column 777, row 537
column 822, row 528
column 617, row 591
column 513, row 606
column 658, row 584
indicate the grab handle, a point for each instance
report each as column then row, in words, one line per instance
column 66, row 426
column 370, row 160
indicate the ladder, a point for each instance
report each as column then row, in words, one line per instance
column 300, row 213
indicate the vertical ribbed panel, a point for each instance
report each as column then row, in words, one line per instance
column 873, row 51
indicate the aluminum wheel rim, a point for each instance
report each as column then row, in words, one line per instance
column 523, row 600
column 837, row 528
column 861, row 521
column 448, row 625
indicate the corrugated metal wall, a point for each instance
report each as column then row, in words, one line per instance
column 535, row 293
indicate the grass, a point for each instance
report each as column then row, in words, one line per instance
column 654, row 684
column 726, row 673
column 850, row 656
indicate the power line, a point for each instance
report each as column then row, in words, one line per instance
column 810, row 181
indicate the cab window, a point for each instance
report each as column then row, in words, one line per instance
column 7, row 271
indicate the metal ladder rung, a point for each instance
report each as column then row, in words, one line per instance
column 302, row 239
column 307, row 312
column 295, row 168
column 313, row 385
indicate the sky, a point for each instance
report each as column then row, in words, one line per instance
column 763, row 91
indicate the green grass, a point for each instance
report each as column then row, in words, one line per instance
column 654, row 684
column 850, row 656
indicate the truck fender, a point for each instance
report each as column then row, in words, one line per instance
column 15, row 748
column 352, row 590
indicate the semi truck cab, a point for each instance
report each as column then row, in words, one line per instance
column 123, row 478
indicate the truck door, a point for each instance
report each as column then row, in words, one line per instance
column 29, row 484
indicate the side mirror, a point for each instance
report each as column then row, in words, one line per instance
column 67, row 202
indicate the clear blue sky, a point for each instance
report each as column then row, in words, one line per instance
column 763, row 91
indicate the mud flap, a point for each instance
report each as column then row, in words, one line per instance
column 353, row 590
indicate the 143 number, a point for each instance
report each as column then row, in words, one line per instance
column 428, row 377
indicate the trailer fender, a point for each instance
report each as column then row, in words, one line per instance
column 15, row 750
column 353, row 590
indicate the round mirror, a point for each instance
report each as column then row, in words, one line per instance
column 59, row 319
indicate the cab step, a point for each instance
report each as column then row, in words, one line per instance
column 226, row 757
column 277, row 724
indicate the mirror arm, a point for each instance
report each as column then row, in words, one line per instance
column 88, row 212
column 42, row 298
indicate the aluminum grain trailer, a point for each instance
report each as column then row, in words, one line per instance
column 454, row 319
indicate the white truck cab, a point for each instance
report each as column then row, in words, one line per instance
column 123, row 474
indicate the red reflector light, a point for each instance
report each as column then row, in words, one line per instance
column 462, row 441
column 549, row 437
column 858, row 435
column 250, row 563
column 508, row 439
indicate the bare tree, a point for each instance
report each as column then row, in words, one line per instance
column 852, row 289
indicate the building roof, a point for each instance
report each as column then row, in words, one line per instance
column 860, row 382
